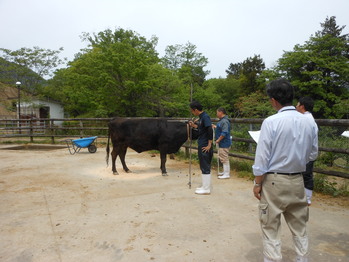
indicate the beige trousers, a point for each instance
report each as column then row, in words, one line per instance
column 223, row 154
column 283, row 194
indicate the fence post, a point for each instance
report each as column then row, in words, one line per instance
column 52, row 132
column 187, row 149
column 249, row 144
column 31, row 130
column 81, row 130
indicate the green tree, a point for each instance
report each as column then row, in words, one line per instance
column 188, row 65
column 167, row 96
column 209, row 98
column 234, row 70
column 247, row 73
column 187, row 62
column 255, row 105
column 110, row 77
column 228, row 90
column 320, row 69
column 119, row 74
column 29, row 66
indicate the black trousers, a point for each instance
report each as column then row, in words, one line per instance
column 308, row 176
column 205, row 159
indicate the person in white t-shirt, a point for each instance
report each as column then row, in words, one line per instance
column 305, row 106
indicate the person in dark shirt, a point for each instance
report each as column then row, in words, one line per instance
column 305, row 106
column 205, row 150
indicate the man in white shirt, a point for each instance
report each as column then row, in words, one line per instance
column 287, row 142
column 305, row 106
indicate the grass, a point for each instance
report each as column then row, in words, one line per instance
column 331, row 186
column 243, row 168
column 327, row 185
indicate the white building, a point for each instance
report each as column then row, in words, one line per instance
column 41, row 109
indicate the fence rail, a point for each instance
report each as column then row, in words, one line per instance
column 77, row 127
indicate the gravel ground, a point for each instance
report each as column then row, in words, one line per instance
column 61, row 207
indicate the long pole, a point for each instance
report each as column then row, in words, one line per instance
column 190, row 144
column 19, row 106
column 191, row 92
column 217, row 147
column 190, row 137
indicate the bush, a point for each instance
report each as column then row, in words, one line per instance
column 323, row 185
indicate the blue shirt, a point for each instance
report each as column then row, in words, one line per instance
column 287, row 142
column 203, row 124
column 223, row 129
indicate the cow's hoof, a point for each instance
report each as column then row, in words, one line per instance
column 164, row 174
column 115, row 173
column 128, row 171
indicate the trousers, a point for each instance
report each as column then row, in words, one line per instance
column 223, row 154
column 308, row 176
column 283, row 194
column 205, row 159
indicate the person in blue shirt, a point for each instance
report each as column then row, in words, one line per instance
column 205, row 149
column 223, row 140
column 287, row 142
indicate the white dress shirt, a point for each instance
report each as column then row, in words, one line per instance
column 310, row 116
column 288, row 141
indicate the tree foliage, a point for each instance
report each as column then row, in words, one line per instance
column 119, row 74
column 29, row 66
column 255, row 105
column 247, row 73
column 187, row 62
column 227, row 91
column 320, row 69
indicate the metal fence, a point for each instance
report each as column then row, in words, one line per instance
column 331, row 144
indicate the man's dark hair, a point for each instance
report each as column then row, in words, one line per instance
column 195, row 105
column 281, row 90
column 307, row 102
column 222, row 109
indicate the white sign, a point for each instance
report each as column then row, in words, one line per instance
column 255, row 135
column 345, row 133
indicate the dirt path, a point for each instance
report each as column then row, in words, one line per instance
column 58, row 207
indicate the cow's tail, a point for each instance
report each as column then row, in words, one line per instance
column 108, row 149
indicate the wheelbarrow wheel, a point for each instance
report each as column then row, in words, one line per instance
column 92, row 149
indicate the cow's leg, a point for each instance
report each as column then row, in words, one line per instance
column 122, row 158
column 114, row 155
column 163, row 163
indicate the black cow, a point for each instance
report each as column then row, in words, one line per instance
column 164, row 135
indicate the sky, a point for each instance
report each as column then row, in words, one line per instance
column 224, row 31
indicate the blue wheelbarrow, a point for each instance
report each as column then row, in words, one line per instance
column 75, row 145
